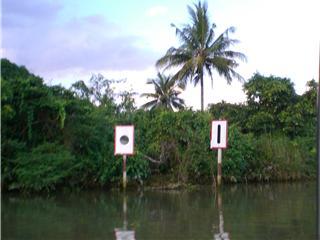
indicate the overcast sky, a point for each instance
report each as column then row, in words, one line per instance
column 66, row 40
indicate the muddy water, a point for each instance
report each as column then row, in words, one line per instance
column 273, row 211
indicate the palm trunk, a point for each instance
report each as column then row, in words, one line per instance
column 201, row 84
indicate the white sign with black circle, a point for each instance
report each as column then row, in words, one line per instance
column 124, row 140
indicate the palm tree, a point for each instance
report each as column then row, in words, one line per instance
column 200, row 51
column 166, row 94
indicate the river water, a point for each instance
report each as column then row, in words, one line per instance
column 269, row 211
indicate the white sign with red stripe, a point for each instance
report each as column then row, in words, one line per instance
column 219, row 134
column 124, row 140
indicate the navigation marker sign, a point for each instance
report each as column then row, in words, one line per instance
column 219, row 132
column 219, row 140
column 124, row 145
column 124, row 140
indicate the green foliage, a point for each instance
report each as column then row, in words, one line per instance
column 178, row 140
column 30, row 110
column 267, row 99
column 261, row 123
column 127, row 104
column 300, row 118
column 238, row 156
column 165, row 95
column 272, row 94
column 45, row 167
column 9, row 151
column 279, row 159
column 235, row 113
column 111, row 171
column 137, row 167
column 52, row 136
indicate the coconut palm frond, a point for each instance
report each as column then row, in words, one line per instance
column 200, row 51
column 149, row 105
column 166, row 94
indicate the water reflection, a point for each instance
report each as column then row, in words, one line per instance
column 222, row 235
column 275, row 211
column 123, row 233
column 158, row 214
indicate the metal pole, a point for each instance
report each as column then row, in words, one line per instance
column 124, row 174
column 219, row 167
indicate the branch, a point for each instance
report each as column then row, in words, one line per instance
column 151, row 159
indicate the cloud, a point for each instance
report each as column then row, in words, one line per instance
column 44, row 44
column 156, row 11
column 18, row 13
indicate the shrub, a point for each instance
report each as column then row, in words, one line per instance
column 239, row 154
column 44, row 168
column 137, row 167
column 278, row 158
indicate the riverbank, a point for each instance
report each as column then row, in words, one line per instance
column 53, row 137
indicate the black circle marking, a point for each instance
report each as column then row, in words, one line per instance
column 124, row 140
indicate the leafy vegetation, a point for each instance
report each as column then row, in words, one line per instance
column 55, row 137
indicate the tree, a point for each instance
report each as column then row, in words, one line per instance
column 268, row 98
column 166, row 94
column 300, row 118
column 127, row 104
column 99, row 91
column 31, row 112
column 237, row 114
column 200, row 51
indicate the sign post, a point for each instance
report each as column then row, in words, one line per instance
column 124, row 145
column 219, row 166
column 219, row 140
column 124, row 172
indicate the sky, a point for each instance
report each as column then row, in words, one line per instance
column 64, row 41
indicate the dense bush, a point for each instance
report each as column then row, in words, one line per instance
column 279, row 159
column 45, row 167
column 240, row 153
